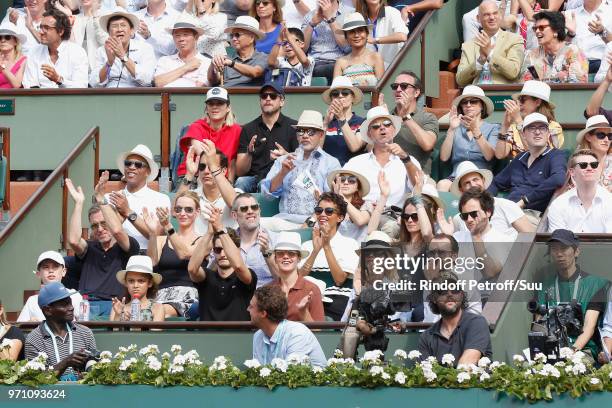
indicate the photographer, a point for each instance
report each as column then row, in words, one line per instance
column 567, row 282
column 68, row 345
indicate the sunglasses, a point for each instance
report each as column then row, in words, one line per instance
column 464, row 216
column 343, row 92
column 235, row 35
column 266, row 95
column 534, row 129
column 302, row 132
column 474, row 101
column 603, row 135
column 244, row 208
column 348, row 179
column 540, row 27
column 403, row 85
column 136, row 163
column 281, row 253
column 6, row 37
column 584, row 165
column 217, row 250
column 262, row 2
column 413, row 216
column 328, row 210
column 188, row 210
column 386, row 123
column 202, row 166
column 99, row 225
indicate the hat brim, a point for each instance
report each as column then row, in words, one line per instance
column 343, row 30
column 309, row 126
column 516, row 96
column 257, row 33
column 157, row 278
column 131, row 17
column 198, row 30
column 486, row 175
column 583, row 132
column 363, row 129
column 21, row 39
column 488, row 103
column 364, row 184
column 373, row 247
column 58, row 298
column 357, row 98
column 153, row 167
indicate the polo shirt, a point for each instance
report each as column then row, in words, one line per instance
column 538, row 182
column 323, row 46
column 592, row 45
column 301, row 289
column 99, row 268
column 281, row 133
column 225, row 299
column 407, row 141
column 472, row 332
column 235, row 78
column 191, row 79
column 568, row 212
column 389, row 21
column 334, row 139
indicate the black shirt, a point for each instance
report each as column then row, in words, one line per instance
column 472, row 332
column 99, row 268
column 14, row 333
column 225, row 299
column 281, row 133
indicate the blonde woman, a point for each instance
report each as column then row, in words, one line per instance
column 11, row 339
column 12, row 63
column 214, row 40
column 597, row 137
column 86, row 30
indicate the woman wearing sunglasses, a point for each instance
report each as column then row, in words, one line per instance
column 170, row 253
column 342, row 136
column 12, row 63
column 362, row 66
column 597, row 137
column 352, row 187
column 469, row 136
column 534, row 97
column 269, row 13
column 417, row 220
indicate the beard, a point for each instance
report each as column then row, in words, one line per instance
column 450, row 312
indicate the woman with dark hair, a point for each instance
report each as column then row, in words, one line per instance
column 352, row 186
column 11, row 339
column 269, row 13
column 597, row 137
column 554, row 60
column 417, row 220
column 469, row 136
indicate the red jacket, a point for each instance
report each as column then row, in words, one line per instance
column 225, row 139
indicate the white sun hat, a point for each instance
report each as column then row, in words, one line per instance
column 144, row 152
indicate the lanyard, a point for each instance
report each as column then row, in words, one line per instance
column 373, row 23
column 279, row 340
column 55, row 349
column 576, row 285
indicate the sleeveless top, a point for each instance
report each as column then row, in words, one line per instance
column 360, row 74
column 172, row 268
column 4, row 83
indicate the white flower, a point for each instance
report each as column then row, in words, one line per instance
column 220, row 360
column 518, row 358
column 414, row 354
column 264, row 372
column 317, row 369
column 176, row 348
column 166, row 355
column 401, row 354
column 41, row 357
column 125, row 364
column 484, row 362
column 104, row 361
column 448, row 359
column 338, row 353
column 280, row 364
column 254, row 363
column 430, row 376
column 192, row 357
column 35, row 365
column 175, row 369
column 463, row 376
column 376, row 370
column 296, row 359
column 577, row 357
column 400, row 378
column 153, row 363
column 372, row 356
column 566, row 352
column 540, row 357
column 432, row 359
column 495, row 365
column 179, row 359
column 579, row 368
column 484, row 377
column 550, row 370
column 610, row 375
column 106, row 354
column 594, row 381
column 385, row 376
column 123, row 349
column 150, row 349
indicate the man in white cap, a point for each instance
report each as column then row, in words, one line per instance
column 155, row 20
column 532, row 177
column 186, row 68
column 49, row 268
column 588, row 206
column 297, row 177
column 248, row 66
column 123, row 61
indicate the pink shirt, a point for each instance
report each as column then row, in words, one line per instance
column 4, row 83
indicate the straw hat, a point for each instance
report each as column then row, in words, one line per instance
column 144, row 152
column 594, row 122
column 119, row 11
column 364, row 184
column 186, row 21
column 376, row 113
column 290, row 241
column 342, row 82
column 353, row 21
column 473, row 91
column 140, row 264
column 247, row 23
column 8, row 28
column 375, row 240
column 310, row 119
column 537, row 89
column 467, row 167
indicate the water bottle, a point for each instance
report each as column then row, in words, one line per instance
column 84, row 309
column 135, row 309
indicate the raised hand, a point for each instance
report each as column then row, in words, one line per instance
column 110, row 52
column 278, row 152
column 419, row 181
column 396, row 150
column 13, row 15
column 446, row 225
column 596, row 25
column 119, row 307
column 206, row 210
column 120, row 202
column 143, row 30
column 163, row 216
column 263, row 239
column 454, row 118
column 383, row 184
column 288, row 163
column 469, row 122
column 513, row 111
column 317, row 240
column 192, row 161
column 151, row 221
column 326, row 9
column 570, row 21
column 484, row 42
column 215, row 219
column 76, row 193
column 251, row 147
column 101, row 185
column 50, row 72
column 303, row 304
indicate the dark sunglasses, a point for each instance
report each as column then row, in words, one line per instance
column 343, row 92
column 6, row 37
column 217, row 250
column 265, row 3
column 281, row 253
column 138, row 164
column 348, row 179
column 474, row 101
column 584, row 165
column 245, row 208
column 302, row 132
column 188, row 210
column 99, row 225
column 541, row 27
column 235, row 35
column 328, row 210
column 386, row 123
column 266, row 95
column 403, row 85
column 603, row 135
column 414, row 216
column 464, row 216
column 202, row 166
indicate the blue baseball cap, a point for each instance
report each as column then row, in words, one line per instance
column 279, row 89
column 566, row 237
column 52, row 292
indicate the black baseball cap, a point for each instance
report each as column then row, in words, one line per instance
column 564, row 236
column 279, row 89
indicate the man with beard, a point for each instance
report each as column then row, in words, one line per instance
column 264, row 139
column 464, row 335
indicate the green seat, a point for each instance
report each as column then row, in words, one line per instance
column 592, row 77
column 318, row 81
column 3, row 164
column 268, row 206
column 451, row 203
column 305, row 234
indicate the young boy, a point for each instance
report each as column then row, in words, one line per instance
column 49, row 268
column 292, row 57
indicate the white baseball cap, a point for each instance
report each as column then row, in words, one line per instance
column 217, row 93
column 534, row 118
column 52, row 255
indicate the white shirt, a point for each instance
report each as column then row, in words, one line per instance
column 603, row 68
column 119, row 77
column 214, row 40
column 505, row 213
column 573, row 4
column 72, row 65
column 391, row 23
column 201, row 224
column 567, row 212
column 22, row 29
column 31, row 311
column 190, row 79
column 592, row 45
column 292, row 16
column 161, row 40
column 395, row 173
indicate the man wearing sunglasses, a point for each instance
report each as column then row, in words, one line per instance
column 494, row 56
column 588, row 206
column 264, row 139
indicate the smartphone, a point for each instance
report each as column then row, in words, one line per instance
column 533, row 72
column 480, row 29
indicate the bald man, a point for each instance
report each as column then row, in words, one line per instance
column 470, row 21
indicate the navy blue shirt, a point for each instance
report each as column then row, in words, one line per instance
column 538, row 182
column 335, row 144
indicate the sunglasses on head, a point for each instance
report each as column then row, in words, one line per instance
column 245, row 208
column 302, row 132
column 584, row 165
column 266, row 95
column 464, row 216
column 387, row 123
column 403, row 85
column 413, row 216
column 188, row 210
column 603, row 135
column 343, row 92
column 348, row 179
column 217, row 250
column 328, row 210
column 136, row 163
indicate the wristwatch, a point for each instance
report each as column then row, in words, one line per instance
column 477, row 138
column 266, row 254
column 132, row 217
column 407, row 117
column 186, row 181
column 604, row 33
column 95, row 201
column 406, row 159
column 124, row 59
column 170, row 231
column 331, row 20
